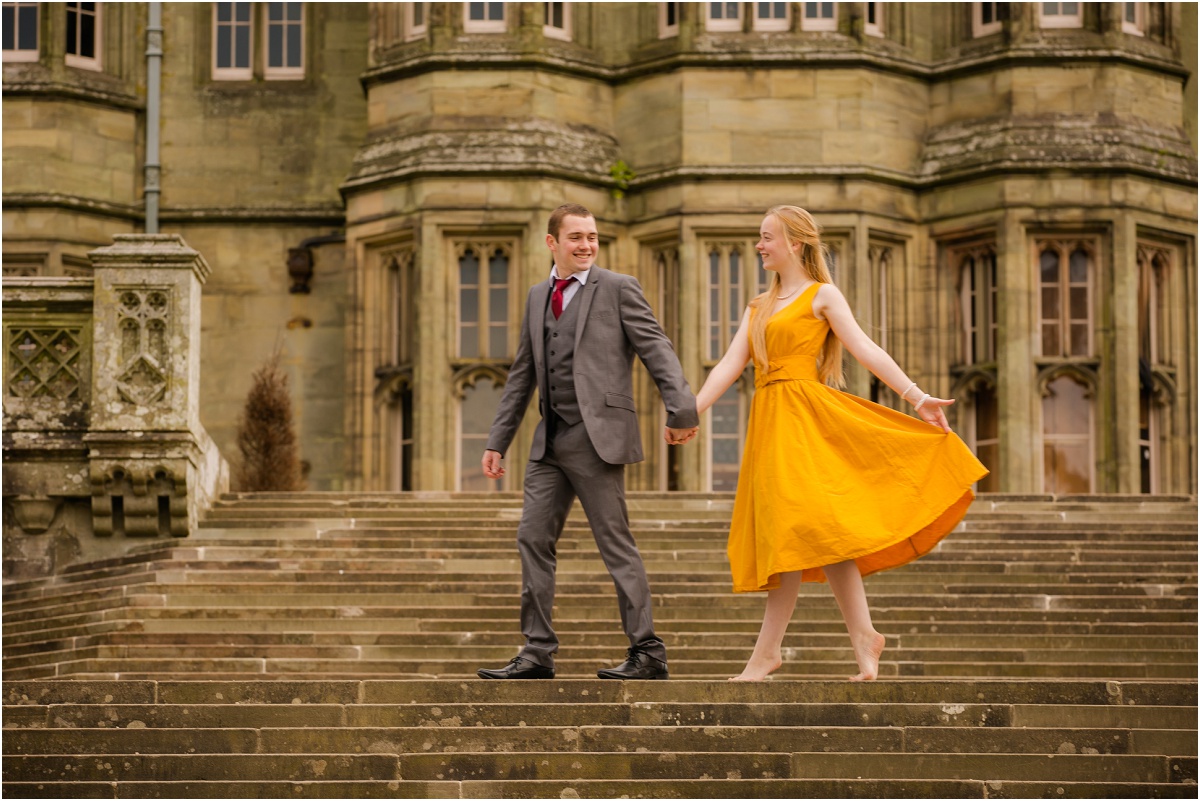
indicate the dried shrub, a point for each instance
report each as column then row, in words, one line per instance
column 266, row 436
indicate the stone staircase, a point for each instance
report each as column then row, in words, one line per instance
column 324, row 645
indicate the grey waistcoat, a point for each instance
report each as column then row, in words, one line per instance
column 560, row 359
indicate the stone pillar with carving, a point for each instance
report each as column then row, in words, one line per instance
column 152, row 465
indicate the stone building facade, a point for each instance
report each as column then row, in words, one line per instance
column 1008, row 193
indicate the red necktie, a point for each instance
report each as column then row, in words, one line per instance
column 556, row 297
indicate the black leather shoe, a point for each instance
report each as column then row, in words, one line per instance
column 518, row 668
column 637, row 665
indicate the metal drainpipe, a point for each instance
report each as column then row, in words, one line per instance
column 154, row 53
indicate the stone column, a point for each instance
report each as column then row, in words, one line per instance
column 153, row 467
column 1019, row 400
column 1122, row 403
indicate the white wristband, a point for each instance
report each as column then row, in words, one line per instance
column 921, row 402
column 904, row 394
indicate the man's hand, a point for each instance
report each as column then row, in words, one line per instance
column 679, row 436
column 491, row 464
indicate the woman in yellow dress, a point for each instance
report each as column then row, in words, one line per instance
column 831, row 486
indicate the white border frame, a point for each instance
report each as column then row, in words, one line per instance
column 1138, row 26
column 565, row 32
column 979, row 28
column 25, row 55
column 723, row 24
column 232, row 73
column 411, row 29
column 874, row 28
column 484, row 25
column 808, row 23
column 283, row 73
column 666, row 31
column 772, row 23
column 1060, row 20
column 83, row 62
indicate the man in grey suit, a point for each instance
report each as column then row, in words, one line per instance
column 578, row 338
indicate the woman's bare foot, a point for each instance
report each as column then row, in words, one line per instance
column 758, row 669
column 867, row 654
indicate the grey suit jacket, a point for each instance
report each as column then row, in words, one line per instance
column 615, row 322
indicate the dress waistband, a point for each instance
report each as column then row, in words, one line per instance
column 787, row 368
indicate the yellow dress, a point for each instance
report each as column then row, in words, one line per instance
column 827, row 476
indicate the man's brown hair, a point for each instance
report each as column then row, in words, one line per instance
column 565, row 210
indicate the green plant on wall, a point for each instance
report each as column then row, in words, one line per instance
column 622, row 174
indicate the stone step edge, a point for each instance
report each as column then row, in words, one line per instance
column 600, row 788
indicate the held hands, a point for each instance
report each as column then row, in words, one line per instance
column 492, row 467
column 680, row 436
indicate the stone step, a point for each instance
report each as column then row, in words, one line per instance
column 589, row 606
column 602, row 788
column 742, row 765
column 210, row 787
column 680, row 655
column 710, row 537
column 811, row 616
column 443, row 668
column 391, row 644
column 163, row 634
column 298, row 582
column 1131, row 729
column 1107, row 694
column 291, row 581
column 484, row 526
column 984, row 502
column 378, row 588
column 165, row 754
column 712, row 530
column 593, row 729
column 569, row 630
column 714, row 619
column 636, row 501
column 659, row 514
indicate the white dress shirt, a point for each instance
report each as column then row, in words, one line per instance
column 578, row 280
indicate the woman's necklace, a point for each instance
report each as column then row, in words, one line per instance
column 788, row 295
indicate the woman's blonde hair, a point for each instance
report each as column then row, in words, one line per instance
column 798, row 227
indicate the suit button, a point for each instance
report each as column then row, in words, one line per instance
column 555, row 336
column 551, row 353
column 552, row 369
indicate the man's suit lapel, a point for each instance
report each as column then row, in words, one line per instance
column 584, row 298
column 537, row 320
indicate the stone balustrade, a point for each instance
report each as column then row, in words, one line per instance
column 103, row 444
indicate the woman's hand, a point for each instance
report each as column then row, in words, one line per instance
column 932, row 411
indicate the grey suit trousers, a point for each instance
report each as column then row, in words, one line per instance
column 571, row 467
